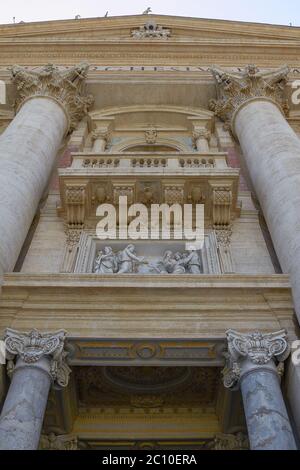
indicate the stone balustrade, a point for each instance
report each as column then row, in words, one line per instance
column 173, row 162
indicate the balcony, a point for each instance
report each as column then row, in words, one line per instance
column 171, row 178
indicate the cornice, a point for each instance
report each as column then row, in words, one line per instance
column 139, row 307
column 116, row 57
column 124, row 22
column 233, row 281
column 108, row 41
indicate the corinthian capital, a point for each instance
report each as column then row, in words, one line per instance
column 258, row 349
column 33, row 346
column 66, row 87
column 234, row 89
column 54, row 442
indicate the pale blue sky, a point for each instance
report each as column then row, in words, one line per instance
column 264, row 11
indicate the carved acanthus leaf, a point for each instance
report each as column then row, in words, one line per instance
column 54, row 442
column 102, row 134
column 66, row 87
column 224, row 236
column 33, row 346
column 237, row 441
column 259, row 348
column 235, row 89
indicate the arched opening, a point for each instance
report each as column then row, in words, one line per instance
column 150, row 148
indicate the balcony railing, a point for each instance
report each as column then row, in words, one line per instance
column 123, row 162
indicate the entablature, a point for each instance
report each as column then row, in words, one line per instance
column 134, row 307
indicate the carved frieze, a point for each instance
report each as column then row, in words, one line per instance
column 66, row 87
column 126, row 261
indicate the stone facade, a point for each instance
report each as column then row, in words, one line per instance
column 109, row 339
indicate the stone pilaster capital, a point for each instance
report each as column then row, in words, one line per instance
column 102, row 134
column 33, row 346
column 201, row 133
column 235, row 89
column 247, row 352
column 66, row 87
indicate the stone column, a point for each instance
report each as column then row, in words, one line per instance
column 100, row 137
column 251, row 366
column 201, row 137
column 253, row 103
column 49, row 104
column 40, row 361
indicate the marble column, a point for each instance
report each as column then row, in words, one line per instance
column 99, row 137
column 251, row 366
column 253, row 103
column 49, row 104
column 201, row 137
column 39, row 362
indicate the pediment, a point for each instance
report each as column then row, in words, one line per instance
column 116, row 28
